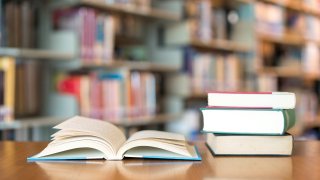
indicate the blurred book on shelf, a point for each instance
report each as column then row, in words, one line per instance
column 207, row 23
column 27, row 87
column 113, row 96
column 199, row 15
column 213, row 71
column 95, row 32
column 269, row 18
column 102, row 37
column 7, row 88
column 311, row 59
column 312, row 28
column 313, row 4
column 295, row 61
column 294, row 23
column 18, row 24
column 138, row 4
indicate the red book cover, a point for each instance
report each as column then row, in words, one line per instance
column 70, row 85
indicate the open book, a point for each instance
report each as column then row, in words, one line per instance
column 85, row 138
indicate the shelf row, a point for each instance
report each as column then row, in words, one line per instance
column 35, row 54
column 60, row 56
column 33, row 122
column 298, row 6
column 291, row 40
column 285, row 72
column 222, row 45
column 153, row 13
column 149, row 13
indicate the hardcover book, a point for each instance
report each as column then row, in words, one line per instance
column 221, row 144
column 272, row 100
column 84, row 138
column 248, row 121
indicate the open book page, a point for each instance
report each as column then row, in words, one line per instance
column 155, row 141
column 106, row 131
column 148, row 134
column 81, row 132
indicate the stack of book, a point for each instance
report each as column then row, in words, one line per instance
column 249, row 123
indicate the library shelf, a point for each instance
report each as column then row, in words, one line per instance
column 296, row 6
column 151, row 13
column 35, row 54
column 222, row 45
column 293, row 5
column 291, row 40
column 317, row 42
column 286, row 72
column 123, row 40
column 135, row 65
column 232, row 3
column 245, row 1
column 312, row 124
column 310, row 10
column 195, row 96
column 32, row 122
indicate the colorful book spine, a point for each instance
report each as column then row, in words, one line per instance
column 102, row 94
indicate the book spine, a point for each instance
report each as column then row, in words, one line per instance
column 289, row 118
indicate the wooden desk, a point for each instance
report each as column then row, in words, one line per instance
column 304, row 164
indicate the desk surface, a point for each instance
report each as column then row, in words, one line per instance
column 303, row 164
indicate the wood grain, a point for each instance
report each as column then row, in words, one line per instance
column 303, row 164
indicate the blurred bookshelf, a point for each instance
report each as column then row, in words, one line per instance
column 290, row 40
column 25, row 52
column 35, row 54
column 289, row 55
column 222, row 45
column 289, row 73
column 139, row 63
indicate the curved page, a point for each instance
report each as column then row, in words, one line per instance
column 104, row 130
column 53, row 149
